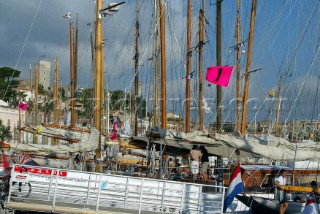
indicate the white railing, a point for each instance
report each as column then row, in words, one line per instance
column 67, row 191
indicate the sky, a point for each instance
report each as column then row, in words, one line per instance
column 285, row 44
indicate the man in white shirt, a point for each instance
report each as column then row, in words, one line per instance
column 281, row 181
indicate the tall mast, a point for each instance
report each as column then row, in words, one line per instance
column 31, row 86
column 55, row 98
column 201, row 42
column 278, row 110
column 75, row 76
column 136, row 72
column 55, row 94
column 248, row 65
column 99, row 70
column 218, row 52
column 102, row 89
column 238, row 69
column 156, row 67
column 19, row 124
column 163, row 67
column 188, row 67
column 92, row 48
column 72, row 123
column 36, row 76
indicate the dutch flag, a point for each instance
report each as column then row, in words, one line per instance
column 235, row 187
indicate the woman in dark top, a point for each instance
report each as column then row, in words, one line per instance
column 205, row 162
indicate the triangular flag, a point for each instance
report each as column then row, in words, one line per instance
column 6, row 164
column 219, row 75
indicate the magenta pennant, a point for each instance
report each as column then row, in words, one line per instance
column 23, row 106
column 219, row 75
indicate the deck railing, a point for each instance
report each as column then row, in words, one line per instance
column 67, row 191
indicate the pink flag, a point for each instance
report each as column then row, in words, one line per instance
column 23, row 106
column 219, row 75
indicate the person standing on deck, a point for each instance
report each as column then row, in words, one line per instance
column 281, row 181
column 205, row 162
column 195, row 155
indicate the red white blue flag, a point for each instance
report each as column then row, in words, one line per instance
column 23, row 158
column 235, row 187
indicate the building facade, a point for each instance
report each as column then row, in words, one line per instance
column 10, row 116
column 44, row 73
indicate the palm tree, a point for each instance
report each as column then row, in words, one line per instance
column 5, row 133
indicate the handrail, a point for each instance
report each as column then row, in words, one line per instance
column 72, row 191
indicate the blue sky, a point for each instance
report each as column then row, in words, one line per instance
column 286, row 37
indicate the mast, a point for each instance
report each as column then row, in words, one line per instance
column 55, row 98
column 188, row 67
column 31, row 90
column 92, row 48
column 103, row 104
column 238, row 69
column 19, row 124
column 156, row 67
column 55, row 94
column 248, row 65
column 98, row 71
column 201, row 42
column 278, row 110
column 36, row 76
column 163, row 67
column 136, row 72
column 72, row 123
column 75, row 76
column 31, row 87
column 218, row 52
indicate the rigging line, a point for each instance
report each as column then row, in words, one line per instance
column 304, row 81
column 24, row 45
column 301, row 36
column 270, row 31
column 317, row 90
column 176, row 40
column 293, row 60
column 145, row 51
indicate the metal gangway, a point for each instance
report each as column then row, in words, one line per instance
column 67, row 191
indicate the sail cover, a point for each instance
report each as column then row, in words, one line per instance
column 273, row 147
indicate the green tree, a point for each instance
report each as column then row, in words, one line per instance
column 86, row 98
column 9, row 84
column 62, row 94
column 117, row 100
column 5, row 133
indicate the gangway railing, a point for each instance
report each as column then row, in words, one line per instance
column 68, row 191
